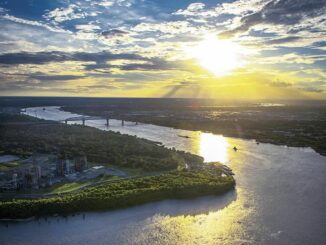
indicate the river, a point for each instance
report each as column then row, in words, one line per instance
column 280, row 198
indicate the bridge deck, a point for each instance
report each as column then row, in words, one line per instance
column 81, row 118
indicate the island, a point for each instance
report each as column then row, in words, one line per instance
column 64, row 169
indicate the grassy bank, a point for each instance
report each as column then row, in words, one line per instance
column 121, row 194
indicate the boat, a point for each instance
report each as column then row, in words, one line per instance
column 184, row 136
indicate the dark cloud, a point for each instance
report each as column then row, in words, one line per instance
column 97, row 66
column 113, row 33
column 100, row 60
column 283, row 12
column 313, row 90
column 280, row 84
column 283, row 40
column 153, row 64
column 150, row 64
column 181, row 87
column 45, row 77
column 304, row 86
column 41, row 76
column 16, row 85
column 49, row 84
column 40, row 58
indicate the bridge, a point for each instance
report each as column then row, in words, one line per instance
column 83, row 119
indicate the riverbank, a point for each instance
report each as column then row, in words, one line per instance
column 292, row 126
column 125, row 193
column 177, row 174
column 269, row 138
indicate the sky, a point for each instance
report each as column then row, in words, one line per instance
column 243, row 49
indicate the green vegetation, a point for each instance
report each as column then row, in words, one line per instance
column 298, row 126
column 157, row 171
column 124, row 193
column 67, row 187
column 24, row 135
column 4, row 168
column 7, row 166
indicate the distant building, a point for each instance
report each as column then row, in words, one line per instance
column 81, row 163
column 31, row 176
column 42, row 170
column 64, row 167
column 60, row 168
column 14, row 181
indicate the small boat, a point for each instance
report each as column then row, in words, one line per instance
column 235, row 148
column 184, row 136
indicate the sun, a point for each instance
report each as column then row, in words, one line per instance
column 218, row 56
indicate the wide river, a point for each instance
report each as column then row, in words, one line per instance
column 280, row 198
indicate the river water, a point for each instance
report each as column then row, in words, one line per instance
column 280, row 198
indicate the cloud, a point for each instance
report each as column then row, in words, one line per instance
column 46, row 77
column 71, row 12
column 103, row 60
column 153, row 64
column 303, row 86
column 313, row 90
column 280, row 84
column 144, row 41
column 113, row 33
column 280, row 12
column 48, row 57
column 106, row 3
column 191, row 10
column 30, row 22
column 87, row 27
column 283, row 40
column 173, row 90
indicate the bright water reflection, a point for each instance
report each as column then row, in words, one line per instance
column 213, row 147
column 214, row 227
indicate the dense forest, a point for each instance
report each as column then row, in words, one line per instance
column 24, row 135
column 124, row 193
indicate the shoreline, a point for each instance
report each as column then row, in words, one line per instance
column 263, row 140
column 127, row 193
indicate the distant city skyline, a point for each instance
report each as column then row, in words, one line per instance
column 243, row 49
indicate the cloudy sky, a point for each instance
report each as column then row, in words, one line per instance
column 248, row 49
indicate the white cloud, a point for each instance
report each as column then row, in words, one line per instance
column 106, row 3
column 63, row 14
column 88, row 27
column 31, row 23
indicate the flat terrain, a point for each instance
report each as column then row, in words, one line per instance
column 300, row 124
column 154, row 172
column 124, row 193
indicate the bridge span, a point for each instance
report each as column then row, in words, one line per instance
column 83, row 119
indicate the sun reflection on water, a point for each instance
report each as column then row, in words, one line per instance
column 225, row 226
column 214, row 148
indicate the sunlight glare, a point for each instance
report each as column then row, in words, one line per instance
column 218, row 56
column 214, row 148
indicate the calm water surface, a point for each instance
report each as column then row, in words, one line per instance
column 280, row 198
